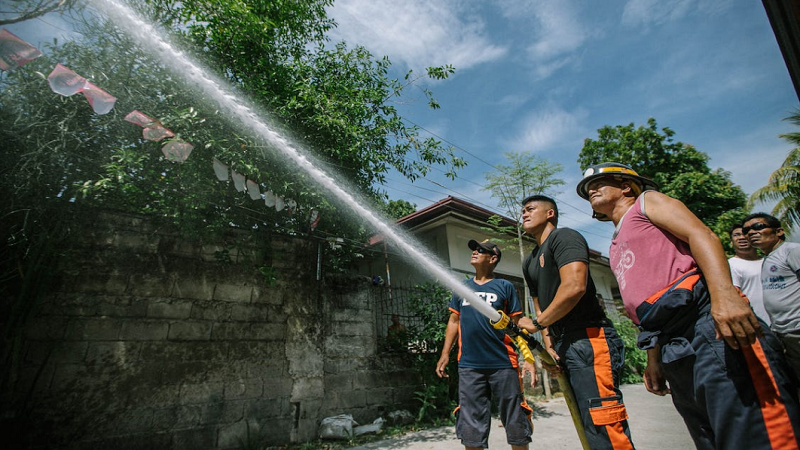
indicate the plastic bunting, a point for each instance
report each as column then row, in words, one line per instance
column 14, row 52
column 177, row 150
column 220, row 170
column 153, row 130
column 156, row 132
column 252, row 190
column 238, row 181
column 66, row 82
column 139, row 118
column 101, row 101
column 242, row 184
column 269, row 199
column 313, row 219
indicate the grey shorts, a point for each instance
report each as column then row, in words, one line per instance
column 477, row 388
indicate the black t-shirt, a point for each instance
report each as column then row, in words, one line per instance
column 562, row 246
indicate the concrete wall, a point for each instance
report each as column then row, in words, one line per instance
column 151, row 342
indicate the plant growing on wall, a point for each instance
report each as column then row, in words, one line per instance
column 438, row 396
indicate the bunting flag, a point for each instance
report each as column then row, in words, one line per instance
column 14, row 52
column 314, row 219
column 156, row 132
column 220, row 170
column 291, row 205
column 139, row 118
column 101, row 101
column 153, row 130
column 252, row 190
column 176, row 150
column 269, row 199
column 238, row 181
column 66, row 82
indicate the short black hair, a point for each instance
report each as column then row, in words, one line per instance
column 733, row 227
column 772, row 221
column 544, row 199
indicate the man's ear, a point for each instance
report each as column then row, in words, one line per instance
column 551, row 213
column 627, row 190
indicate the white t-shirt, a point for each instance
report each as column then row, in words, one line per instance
column 746, row 275
column 781, row 284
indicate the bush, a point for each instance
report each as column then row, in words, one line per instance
column 635, row 359
column 438, row 396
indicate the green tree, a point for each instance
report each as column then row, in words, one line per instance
column 337, row 100
column 59, row 158
column 15, row 11
column 397, row 209
column 681, row 170
column 523, row 176
column 783, row 186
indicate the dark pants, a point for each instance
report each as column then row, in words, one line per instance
column 729, row 399
column 593, row 359
column 476, row 390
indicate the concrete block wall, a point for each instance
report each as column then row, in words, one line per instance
column 150, row 342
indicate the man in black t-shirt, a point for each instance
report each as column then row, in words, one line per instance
column 574, row 327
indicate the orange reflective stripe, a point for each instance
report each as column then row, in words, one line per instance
column 686, row 283
column 512, row 352
column 605, row 383
column 776, row 419
column 608, row 415
column 459, row 341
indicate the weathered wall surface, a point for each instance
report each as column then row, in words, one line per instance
column 151, row 342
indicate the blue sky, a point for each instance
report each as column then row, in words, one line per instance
column 542, row 76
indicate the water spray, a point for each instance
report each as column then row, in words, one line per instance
column 148, row 36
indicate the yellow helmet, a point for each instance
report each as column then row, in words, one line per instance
column 619, row 172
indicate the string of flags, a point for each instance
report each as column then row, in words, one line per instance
column 271, row 200
column 15, row 53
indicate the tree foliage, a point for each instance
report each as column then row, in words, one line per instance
column 523, row 176
column 335, row 100
column 16, row 11
column 783, row 186
column 61, row 160
column 397, row 209
column 680, row 169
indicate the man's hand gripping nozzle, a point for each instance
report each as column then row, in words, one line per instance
column 525, row 342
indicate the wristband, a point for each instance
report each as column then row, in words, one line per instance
column 538, row 325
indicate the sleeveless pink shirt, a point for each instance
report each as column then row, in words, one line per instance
column 645, row 259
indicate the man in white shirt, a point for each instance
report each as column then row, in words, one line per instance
column 780, row 280
column 746, row 271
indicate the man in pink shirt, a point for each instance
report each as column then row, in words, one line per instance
column 705, row 346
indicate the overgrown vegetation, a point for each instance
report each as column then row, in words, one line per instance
column 438, row 396
column 61, row 160
column 635, row 359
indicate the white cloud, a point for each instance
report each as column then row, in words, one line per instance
column 657, row 12
column 541, row 130
column 551, row 32
column 417, row 33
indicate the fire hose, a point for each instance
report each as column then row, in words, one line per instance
column 527, row 346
